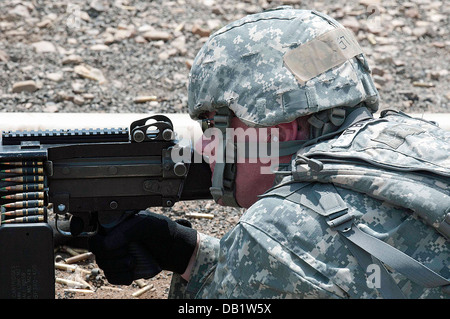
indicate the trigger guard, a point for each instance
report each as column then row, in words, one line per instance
column 69, row 234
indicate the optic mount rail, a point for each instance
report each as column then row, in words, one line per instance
column 60, row 136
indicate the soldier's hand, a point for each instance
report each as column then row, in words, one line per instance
column 170, row 245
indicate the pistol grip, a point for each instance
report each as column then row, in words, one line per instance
column 146, row 266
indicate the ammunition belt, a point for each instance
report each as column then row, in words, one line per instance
column 22, row 190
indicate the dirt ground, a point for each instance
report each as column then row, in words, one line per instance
column 204, row 215
column 126, row 56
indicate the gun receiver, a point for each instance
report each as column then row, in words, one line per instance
column 98, row 176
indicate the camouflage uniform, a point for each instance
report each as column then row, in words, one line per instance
column 283, row 246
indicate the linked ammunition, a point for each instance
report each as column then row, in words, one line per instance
column 30, row 219
column 25, row 178
column 25, row 204
column 23, row 163
column 27, row 212
column 30, row 195
column 23, row 187
column 24, row 170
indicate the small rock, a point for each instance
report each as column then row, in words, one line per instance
column 98, row 5
column 44, row 23
column 140, row 39
column 409, row 95
column 379, row 79
column 108, row 38
column 88, row 96
column 398, row 62
column 419, row 31
column 155, row 35
column 378, row 71
column 90, row 72
column 122, row 34
column 19, row 11
column 198, row 30
column 3, row 56
column 180, row 44
column 50, row 107
column 99, row 47
column 55, row 76
column 72, row 41
column 64, row 96
column 25, row 86
column 407, row 103
column 352, row 23
column 77, row 87
column 84, row 16
column 439, row 45
column 412, row 13
column 44, row 47
column 145, row 28
column 189, row 63
column 72, row 59
column 78, row 100
column 167, row 54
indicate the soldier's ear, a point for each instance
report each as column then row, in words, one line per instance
column 288, row 131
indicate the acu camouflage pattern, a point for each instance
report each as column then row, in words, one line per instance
column 241, row 67
column 396, row 158
column 284, row 248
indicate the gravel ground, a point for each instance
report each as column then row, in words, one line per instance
column 134, row 56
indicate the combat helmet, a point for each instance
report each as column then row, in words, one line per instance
column 270, row 68
column 278, row 65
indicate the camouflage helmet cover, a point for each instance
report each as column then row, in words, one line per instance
column 241, row 67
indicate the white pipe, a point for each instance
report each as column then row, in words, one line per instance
column 184, row 126
column 442, row 119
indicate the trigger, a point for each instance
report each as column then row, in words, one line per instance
column 76, row 225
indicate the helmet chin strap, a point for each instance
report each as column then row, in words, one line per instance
column 224, row 175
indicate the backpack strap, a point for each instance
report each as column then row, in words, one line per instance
column 363, row 243
column 367, row 249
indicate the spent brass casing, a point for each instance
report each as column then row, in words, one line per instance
column 28, row 219
column 27, row 212
column 30, row 195
column 25, row 178
column 23, row 187
column 25, row 204
column 24, row 170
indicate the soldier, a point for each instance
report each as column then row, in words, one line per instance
column 345, row 217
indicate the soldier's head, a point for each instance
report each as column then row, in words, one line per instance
column 274, row 69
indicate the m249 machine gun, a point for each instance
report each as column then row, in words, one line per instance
column 99, row 177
